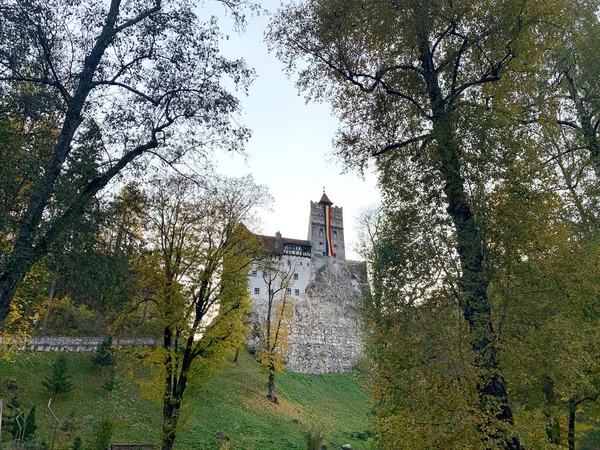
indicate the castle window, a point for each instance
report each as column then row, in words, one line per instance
column 296, row 291
column 257, row 291
column 254, row 273
column 334, row 235
column 265, row 274
column 320, row 243
column 334, row 245
column 288, row 290
column 320, row 232
column 295, row 276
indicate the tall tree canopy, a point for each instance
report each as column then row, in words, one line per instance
column 110, row 81
column 195, row 278
column 424, row 86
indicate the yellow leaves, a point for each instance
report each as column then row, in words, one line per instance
column 274, row 343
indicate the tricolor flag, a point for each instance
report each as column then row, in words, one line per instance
column 328, row 241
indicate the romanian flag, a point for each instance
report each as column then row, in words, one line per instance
column 328, row 241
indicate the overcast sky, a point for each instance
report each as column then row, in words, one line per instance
column 290, row 150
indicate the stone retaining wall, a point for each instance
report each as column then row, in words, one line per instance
column 75, row 344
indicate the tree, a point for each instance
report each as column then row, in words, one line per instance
column 104, row 354
column 196, row 277
column 93, row 261
column 30, row 425
column 278, row 275
column 59, row 381
column 565, row 119
column 565, row 114
column 417, row 85
column 120, row 80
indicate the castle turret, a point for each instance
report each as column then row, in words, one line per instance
column 326, row 229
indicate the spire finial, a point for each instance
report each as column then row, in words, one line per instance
column 323, row 189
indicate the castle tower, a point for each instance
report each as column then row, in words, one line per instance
column 326, row 229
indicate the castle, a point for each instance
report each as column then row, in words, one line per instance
column 325, row 288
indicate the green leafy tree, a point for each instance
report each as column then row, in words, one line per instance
column 565, row 120
column 195, row 275
column 117, row 81
column 59, row 381
column 420, row 86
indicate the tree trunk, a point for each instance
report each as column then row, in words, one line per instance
column 237, row 354
column 175, row 385
column 552, row 423
column 169, row 425
column 271, row 385
column 19, row 263
column 571, row 434
column 588, row 129
column 474, row 302
column 50, row 298
column 552, row 428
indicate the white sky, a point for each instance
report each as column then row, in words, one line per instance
column 290, row 150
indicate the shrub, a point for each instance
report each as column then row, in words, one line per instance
column 77, row 444
column 314, row 438
column 103, row 435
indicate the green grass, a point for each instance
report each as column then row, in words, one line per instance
column 232, row 402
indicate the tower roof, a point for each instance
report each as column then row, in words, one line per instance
column 325, row 199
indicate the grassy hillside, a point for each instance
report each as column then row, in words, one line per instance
column 233, row 402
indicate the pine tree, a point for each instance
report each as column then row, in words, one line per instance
column 59, row 382
column 104, row 354
column 30, row 426
column 112, row 383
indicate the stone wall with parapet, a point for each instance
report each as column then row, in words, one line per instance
column 325, row 336
column 75, row 344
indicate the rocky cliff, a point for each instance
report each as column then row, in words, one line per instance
column 325, row 335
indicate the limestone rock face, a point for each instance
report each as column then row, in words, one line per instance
column 325, row 336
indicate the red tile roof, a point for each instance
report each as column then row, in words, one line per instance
column 325, row 199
